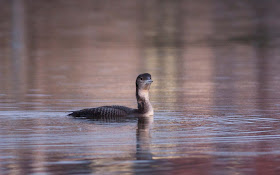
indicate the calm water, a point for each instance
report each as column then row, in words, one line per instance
column 216, row 72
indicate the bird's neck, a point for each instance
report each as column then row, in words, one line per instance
column 143, row 101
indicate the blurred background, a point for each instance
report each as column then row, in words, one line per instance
column 66, row 48
column 216, row 71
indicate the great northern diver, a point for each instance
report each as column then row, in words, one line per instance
column 143, row 83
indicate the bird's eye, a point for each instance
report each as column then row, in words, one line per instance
column 141, row 78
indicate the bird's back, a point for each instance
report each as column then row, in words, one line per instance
column 103, row 111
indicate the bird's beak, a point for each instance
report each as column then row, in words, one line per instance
column 149, row 81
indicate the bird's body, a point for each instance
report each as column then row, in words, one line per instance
column 143, row 83
column 109, row 111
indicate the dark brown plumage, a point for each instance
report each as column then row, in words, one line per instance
column 143, row 83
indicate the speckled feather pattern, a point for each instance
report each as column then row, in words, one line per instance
column 103, row 111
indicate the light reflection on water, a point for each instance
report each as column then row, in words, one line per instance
column 215, row 92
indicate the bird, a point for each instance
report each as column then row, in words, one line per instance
column 144, row 108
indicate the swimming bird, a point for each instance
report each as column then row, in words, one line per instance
column 143, row 84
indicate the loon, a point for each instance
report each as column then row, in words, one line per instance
column 143, row 83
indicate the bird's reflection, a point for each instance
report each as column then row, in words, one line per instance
column 143, row 138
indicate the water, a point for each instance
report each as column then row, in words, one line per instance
column 215, row 94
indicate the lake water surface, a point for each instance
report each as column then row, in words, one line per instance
column 216, row 72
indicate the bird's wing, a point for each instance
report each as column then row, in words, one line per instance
column 103, row 111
